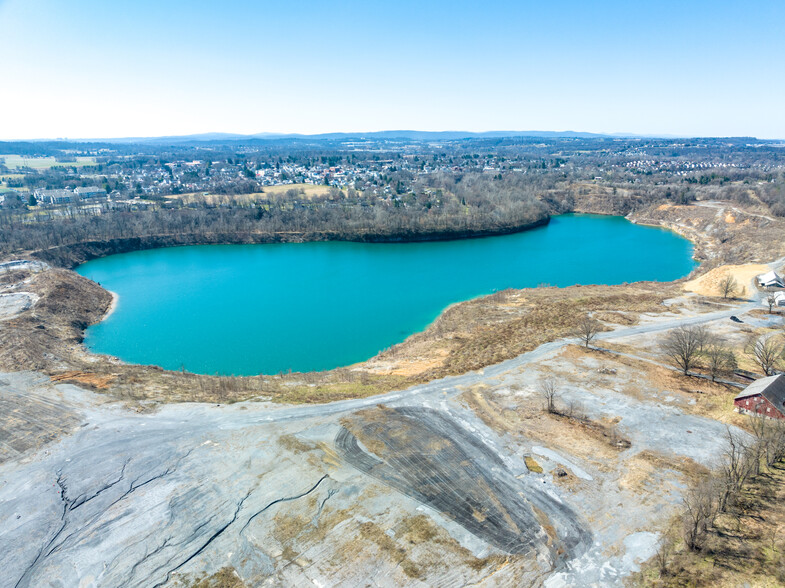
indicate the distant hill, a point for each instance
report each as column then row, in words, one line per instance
column 375, row 135
column 217, row 139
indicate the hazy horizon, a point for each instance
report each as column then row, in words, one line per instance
column 534, row 133
column 90, row 69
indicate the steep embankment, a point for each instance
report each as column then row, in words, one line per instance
column 74, row 254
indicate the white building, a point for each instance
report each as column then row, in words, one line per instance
column 770, row 280
column 90, row 192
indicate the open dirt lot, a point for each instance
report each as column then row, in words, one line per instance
column 708, row 284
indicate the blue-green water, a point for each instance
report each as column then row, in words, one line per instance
column 248, row 309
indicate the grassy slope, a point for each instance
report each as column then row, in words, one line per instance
column 746, row 548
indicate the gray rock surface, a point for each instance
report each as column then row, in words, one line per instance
column 93, row 494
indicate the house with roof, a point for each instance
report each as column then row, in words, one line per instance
column 770, row 280
column 764, row 397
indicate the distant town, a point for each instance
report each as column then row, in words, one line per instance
column 97, row 176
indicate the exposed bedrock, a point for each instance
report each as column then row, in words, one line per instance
column 425, row 455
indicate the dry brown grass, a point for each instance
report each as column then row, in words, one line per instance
column 711, row 399
column 746, row 547
column 94, row 381
column 226, row 577
column 684, row 465
column 370, row 531
column 709, row 284
column 747, row 239
column 13, row 276
column 642, row 473
column 604, row 432
column 295, row 444
column 764, row 312
column 416, row 530
column 616, row 318
column 288, row 526
column 525, row 416
column 485, row 331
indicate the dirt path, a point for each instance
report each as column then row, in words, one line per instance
column 723, row 206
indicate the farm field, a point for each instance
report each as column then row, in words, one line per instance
column 19, row 161
column 308, row 191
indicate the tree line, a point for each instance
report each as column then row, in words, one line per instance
column 478, row 207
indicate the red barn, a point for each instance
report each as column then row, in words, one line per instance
column 765, row 396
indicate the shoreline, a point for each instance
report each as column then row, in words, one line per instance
column 73, row 255
column 379, row 377
column 112, row 305
column 375, row 355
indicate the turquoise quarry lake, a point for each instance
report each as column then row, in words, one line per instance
column 249, row 309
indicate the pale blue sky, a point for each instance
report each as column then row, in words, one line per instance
column 99, row 68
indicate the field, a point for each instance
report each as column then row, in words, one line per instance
column 18, row 161
column 309, row 191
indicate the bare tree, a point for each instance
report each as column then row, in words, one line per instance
column 767, row 351
column 665, row 549
column 547, row 390
column 587, row 329
column 771, row 300
column 740, row 462
column 729, row 287
column 684, row 345
column 720, row 359
column 737, row 466
column 769, row 438
column 776, row 447
column 700, row 511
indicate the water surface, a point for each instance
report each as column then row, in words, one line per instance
column 248, row 309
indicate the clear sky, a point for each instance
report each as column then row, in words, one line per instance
column 106, row 68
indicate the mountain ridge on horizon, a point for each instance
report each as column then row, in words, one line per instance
column 390, row 135
column 387, row 134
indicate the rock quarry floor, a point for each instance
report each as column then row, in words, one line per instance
column 425, row 486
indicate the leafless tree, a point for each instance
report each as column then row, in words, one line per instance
column 720, row 359
column 574, row 409
column 729, row 287
column 767, row 351
column 547, row 390
column 664, row 551
column 684, row 345
column 700, row 511
column 587, row 329
column 769, row 438
column 737, row 466
column 771, row 300
column 741, row 461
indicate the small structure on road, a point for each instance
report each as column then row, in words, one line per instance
column 764, row 397
column 770, row 280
